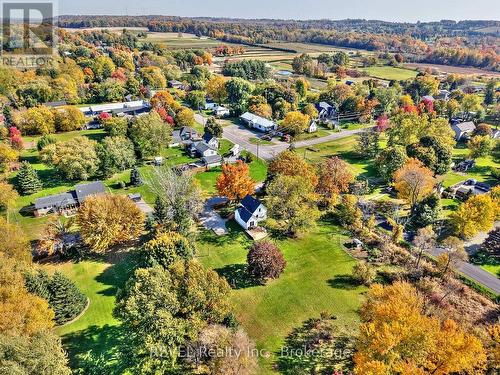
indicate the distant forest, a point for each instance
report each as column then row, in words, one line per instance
column 463, row 43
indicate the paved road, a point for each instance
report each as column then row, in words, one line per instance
column 241, row 135
column 474, row 272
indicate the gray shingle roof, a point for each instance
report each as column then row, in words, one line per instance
column 201, row 147
column 245, row 215
column 466, row 126
column 212, row 159
column 92, row 188
column 56, row 201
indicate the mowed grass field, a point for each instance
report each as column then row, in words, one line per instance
column 317, row 279
column 390, row 73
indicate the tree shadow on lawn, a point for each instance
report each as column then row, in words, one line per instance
column 318, row 346
column 100, row 347
column 346, row 282
column 234, row 233
column 119, row 272
column 237, row 276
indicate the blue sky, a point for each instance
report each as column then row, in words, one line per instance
column 390, row 10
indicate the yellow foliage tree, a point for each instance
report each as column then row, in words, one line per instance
column 7, row 195
column 7, row 155
column 477, row 214
column 289, row 163
column 396, row 337
column 36, row 120
column 216, row 89
column 413, row 181
column 13, row 242
column 295, row 122
column 107, row 220
column 21, row 313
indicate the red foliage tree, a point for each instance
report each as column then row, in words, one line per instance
column 382, row 123
column 15, row 138
column 265, row 261
column 103, row 116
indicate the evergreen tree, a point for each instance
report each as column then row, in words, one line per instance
column 27, row 181
column 426, row 212
column 135, row 177
column 66, row 299
column 38, row 283
column 489, row 95
column 61, row 293
column 160, row 211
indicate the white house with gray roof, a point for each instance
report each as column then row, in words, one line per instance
column 463, row 129
column 259, row 123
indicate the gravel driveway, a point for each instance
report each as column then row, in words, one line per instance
column 211, row 218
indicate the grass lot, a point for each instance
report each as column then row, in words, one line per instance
column 258, row 141
column 343, row 148
column 96, row 330
column 492, row 268
column 317, row 279
column 317, row 134
column 390, row 72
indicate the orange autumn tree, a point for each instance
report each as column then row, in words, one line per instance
column 335, row 175
column 235, row 182
column 413, row 181
column 397, row 337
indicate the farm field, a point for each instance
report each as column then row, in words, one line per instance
column 452, row 69
column 390, row 73
column 313, row 48
column 174, row 41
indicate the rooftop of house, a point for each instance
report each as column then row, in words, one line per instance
column 92, row 188
column 72, row 197
column 324, row 105
column 212, row 159
column 250, row 203
column 56, row 200
column 55, row 104
column 465, row 126
column 201, row 147
column 207, row 137
column 261, row 121
column 134, row 105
